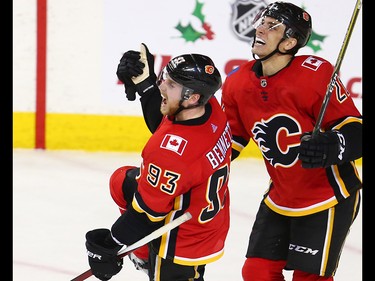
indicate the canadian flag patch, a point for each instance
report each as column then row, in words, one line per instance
column 312, row 63
column 174, row 143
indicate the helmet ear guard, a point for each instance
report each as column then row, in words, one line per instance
column 186, row 93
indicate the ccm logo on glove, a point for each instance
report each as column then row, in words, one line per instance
column 341, row 145
column 322, row 150
column 94, row 256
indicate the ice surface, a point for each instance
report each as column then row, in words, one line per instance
column 59, row 195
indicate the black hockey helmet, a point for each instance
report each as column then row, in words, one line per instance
column 297, row 20
column 196, row 73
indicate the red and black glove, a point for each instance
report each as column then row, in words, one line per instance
column 102, row 254
column 322, row 150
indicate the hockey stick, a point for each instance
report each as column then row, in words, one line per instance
column 126, row 250
column 337, row 68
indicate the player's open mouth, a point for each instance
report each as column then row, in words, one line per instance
column 259, row 41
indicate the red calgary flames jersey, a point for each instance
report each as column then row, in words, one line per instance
column 185, row 168
column 275, row 111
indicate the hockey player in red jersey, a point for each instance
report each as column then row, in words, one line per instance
column 185, row 168
column 314, row 192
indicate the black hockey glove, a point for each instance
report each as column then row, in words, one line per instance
column 102, row 253
column 128, row 67
column 136, row 71
column 322, row 150
column 147, row 80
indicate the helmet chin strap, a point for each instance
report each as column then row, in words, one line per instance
column 268, row 56
column 181, row 107
column 185, row 95
column 272, row 53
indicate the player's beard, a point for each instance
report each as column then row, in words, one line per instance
column 168, row 108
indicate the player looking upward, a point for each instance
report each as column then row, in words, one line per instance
column 313, row 195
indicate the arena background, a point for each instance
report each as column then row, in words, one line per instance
column 65, row 53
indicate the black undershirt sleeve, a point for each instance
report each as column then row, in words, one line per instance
column 132, row 226
column 352, row 133
column 150, row 103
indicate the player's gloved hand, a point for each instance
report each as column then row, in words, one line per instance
column 147, row 80
column 129, row 66
column 322, row 150
column 136, row 71
column 102, row 254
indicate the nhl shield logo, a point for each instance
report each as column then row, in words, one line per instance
column 243, row 13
